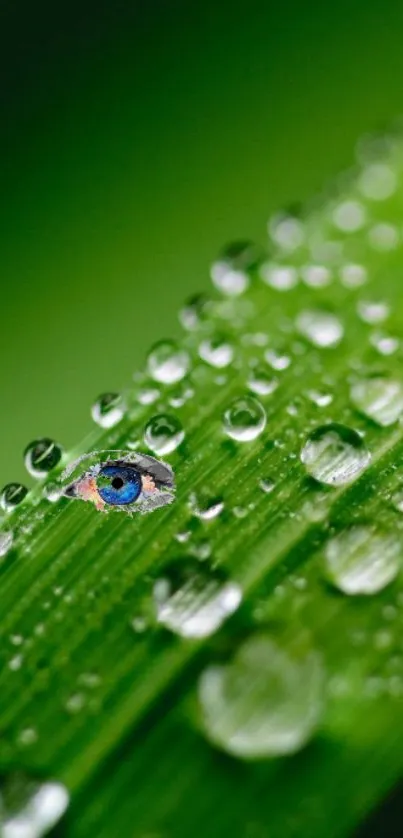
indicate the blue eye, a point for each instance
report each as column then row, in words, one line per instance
column 118, row 485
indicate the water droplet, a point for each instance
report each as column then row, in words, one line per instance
column 193, row 601
column 108, row 410
column 266, row 485
column 380, row 399
column 335, row 455
column 321, row 328
column 230, row 273
column 148, row 395
column 353, row 276
column 377, row 182
column 349, row 216
column 244, row 419
column 319, row 398
column 216, row 351
column 362, row 560
column 373, row 312
column 52, row 492
column 30, row 808
column 11, row 495
column 397, row 500
column 163, row 433
column 167, row 362
column 27, row 736
column 75, row 703
column 261, row 382
column 280, row 277
column 194, row 312
column 316, row 276
column 266, row 702
column 277, row 360
column 205, row 508
column 41, row 456
column 383, row 237
column 286, row 231
column 6, row 542
column 384, row 344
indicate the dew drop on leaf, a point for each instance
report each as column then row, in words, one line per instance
column 11, row 495
column 362, row 559
column 30, row 808
column 316, row 276
column 380, row 399
column 205, row 508
column 108, row 410
column 163, row 433
column 230, row 272
column 373, row 311
column 260, row 381
column 6, row 542
column 266, row 702
column 280, row 277
column 321, row 328
column 353, row 275
column 193, row 600
column 194, row 312
column 377, row 182
column 349, row 216
column 244, row 419
column 334, row 454
column 167, row 363
column 216, row 351
column 41, row 456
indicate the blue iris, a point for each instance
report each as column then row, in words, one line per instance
column 119, row 485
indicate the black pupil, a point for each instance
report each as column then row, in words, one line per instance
column 117, row 482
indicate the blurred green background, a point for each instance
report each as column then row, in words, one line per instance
column 136, row 139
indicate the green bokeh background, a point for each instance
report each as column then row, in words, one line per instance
column 136, row 140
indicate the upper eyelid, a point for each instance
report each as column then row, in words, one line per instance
column 158, row 470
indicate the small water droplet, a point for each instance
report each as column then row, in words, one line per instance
column 75, row 703
column 335, row 454
column 148, row 395
column 194, row 312
column 266, row 485
column 349, row 216
column 362, row 560
column 167, row 363
column 384, row 344
column 321, row 328
column 316, row 276
column 280, row 277
column 205, row 508
column 193, row 601
column 260, row 381
column 27, row 736
column 11, row 495
column 380, row 399
column 30, row 808
column 163, row 433
column 377, row 182
column 266, row 702
column 41, row 456
column 52, row 492
column 353, row 275
column 383, row 237
column 244, row 419
column 397, row 500
column 373, row 312
column 108, row 410
column 15, row 663
column 230, row 272
column 6, row 542
column 216, row 351
column 286, row 231
column 319, row 398
column 277, row 360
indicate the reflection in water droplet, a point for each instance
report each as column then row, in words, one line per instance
column 353, row 276
column 6, row 542
column 363, row 560
column 41, row 456
column 266, row 702
column 381, row 399
column 230, row 272
column 349, row 216
column 261, row 382
column 192, row 600
column 334, row 454
column 373, row 312
column 30, row 808
column 320, row 327
column 244, row 419
column 216, row 351
column 205, row 508
column 108, row 410
column 280, row 277
column 167, row 362
column 163, row 433
column 377, row 182
column 11, row 495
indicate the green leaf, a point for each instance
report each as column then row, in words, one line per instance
column 164, row 718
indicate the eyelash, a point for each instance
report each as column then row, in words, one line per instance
column 130, row 483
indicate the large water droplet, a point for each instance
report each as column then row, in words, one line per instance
column 29, row 808
column 230, row 273
column 11, row 495
column 216, row 351
column 108, row 410
column 335, row 454
column 363, row 560
column 267, row 702
column 6, row 542
column 163, row 433
column 244, row 419
column 320, row 327
column 41, row 456
column 192, row 600
column 380, row 399
column 167, row 362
